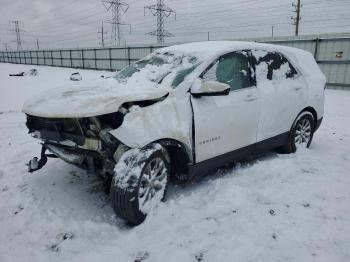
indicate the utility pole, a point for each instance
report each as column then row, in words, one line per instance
column 18, row 31
column 161, row 11
column 116, row 7
column 102, row 38
column 37, row 43
column 272, row 31
column 297, row 18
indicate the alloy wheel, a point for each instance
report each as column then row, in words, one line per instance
column 303, row 133
column 153, row 181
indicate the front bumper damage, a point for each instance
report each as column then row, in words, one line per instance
column 56, row 152
column 34, row 164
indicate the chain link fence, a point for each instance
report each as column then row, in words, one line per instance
column 332, row 55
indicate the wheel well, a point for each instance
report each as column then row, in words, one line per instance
column 179, row 156
column 312, row 111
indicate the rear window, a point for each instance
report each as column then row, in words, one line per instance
column 278, row 67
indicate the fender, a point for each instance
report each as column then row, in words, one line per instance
column 166, row 119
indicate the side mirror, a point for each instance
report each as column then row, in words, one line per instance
column 209, row 88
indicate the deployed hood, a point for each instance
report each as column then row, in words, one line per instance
column 91, row 98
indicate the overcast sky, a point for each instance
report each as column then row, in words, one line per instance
column 72, row 23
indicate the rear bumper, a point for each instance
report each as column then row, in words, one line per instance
column 319, row 121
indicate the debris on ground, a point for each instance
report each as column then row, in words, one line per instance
column 141, row 256
column 76, row 77
column 31, row 72
column 61, row 237
column 18, row 74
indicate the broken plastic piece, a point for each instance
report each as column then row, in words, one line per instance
column 34, row 164
column 18, row 74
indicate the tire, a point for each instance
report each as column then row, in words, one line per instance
column 140, row 182
column 301, row 133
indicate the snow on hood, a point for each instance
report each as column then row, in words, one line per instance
column 150, row 78
column 87, row 99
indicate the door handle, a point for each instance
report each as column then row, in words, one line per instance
column 250, row 97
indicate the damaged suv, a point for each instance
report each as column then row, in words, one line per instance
column 179, row 112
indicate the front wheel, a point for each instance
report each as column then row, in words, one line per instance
column 301, row 134
column 140, row 182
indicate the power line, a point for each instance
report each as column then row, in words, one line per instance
column 161, row 11
column 117, row 7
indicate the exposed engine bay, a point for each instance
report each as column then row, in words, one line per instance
column 84, row 142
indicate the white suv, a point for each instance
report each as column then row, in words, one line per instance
column 181, row 111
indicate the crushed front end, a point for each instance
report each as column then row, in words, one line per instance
column 84, row 142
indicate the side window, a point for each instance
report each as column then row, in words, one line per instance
column 278, row 66
column 232, row 69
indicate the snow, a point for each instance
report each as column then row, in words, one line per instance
column 150, row 78
column 275, row 208
column 127, row 177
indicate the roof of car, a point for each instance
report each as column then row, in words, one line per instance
column 212, row 48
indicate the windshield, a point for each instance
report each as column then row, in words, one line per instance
column 166, row 68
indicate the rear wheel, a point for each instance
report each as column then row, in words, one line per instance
column 140, row 182
column 301, row 134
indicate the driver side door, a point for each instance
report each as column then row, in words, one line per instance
column 227, row 123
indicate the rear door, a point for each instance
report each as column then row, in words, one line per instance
column 227, row 123
column 282, row 91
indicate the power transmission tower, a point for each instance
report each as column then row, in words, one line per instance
column 102, row 37
column 161, row 11
column 297, row 18
column 117, row 7
column 18, row 33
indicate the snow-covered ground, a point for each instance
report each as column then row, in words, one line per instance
column 276, row 208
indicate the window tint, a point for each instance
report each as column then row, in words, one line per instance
column 277, row 65
column 232, row 69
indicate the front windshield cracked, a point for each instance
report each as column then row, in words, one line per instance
column 162, row 68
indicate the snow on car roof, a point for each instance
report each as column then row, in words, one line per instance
column 303, row 60
column 212, row 48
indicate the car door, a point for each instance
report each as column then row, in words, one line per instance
column 282, row 91
column 227, row 123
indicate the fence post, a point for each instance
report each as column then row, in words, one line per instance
column 70, row 58
column 51, row 58
column 110, row 58
column 95, row 58
column 82, row 57
column 61, row 58
column 31, row 57
column 317, row 41
column 129, row 58
column 37, row 57
column 44, row 57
